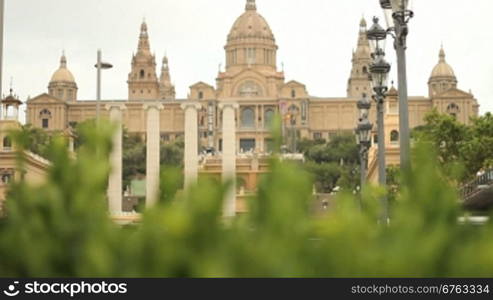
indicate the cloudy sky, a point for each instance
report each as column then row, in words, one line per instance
column 315, row 39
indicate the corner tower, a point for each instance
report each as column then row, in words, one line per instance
column 359, row 82
column 166, row 88
column 142, row 80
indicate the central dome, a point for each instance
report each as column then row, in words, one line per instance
column 250, row 25
column 63, row 74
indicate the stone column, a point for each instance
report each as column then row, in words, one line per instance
column 191, row 143
column 115, row 181
column 153, row 152
column 229, row 156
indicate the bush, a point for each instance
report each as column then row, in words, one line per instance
column 61, row 229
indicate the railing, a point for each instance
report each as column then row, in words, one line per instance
column 474, row 187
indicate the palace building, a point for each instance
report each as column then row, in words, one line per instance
column 253, row 80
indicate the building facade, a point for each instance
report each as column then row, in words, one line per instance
column 253, row 80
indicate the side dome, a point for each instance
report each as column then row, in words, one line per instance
column 442, row 69
column 62, row 74
column 442, row 77
column 250, row 25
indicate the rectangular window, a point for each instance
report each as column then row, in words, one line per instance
column 247, row 145
column 251, row 56
column 304, row 112
column 268, row 145
column 165, row 137
column 317, row 136
column 45, row 123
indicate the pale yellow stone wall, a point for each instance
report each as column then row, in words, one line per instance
column 35, row 170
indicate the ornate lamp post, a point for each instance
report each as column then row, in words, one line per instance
column 379, row 70
column 2, row 8
column 363, row 136
column 398, row 13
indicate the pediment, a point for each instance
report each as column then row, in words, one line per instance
column 455, row 93
column 202, row 85
column 294, row 84
column 45, row 99
column 249, row 73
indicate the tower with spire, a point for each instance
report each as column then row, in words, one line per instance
column 166, row 88
column 359, row 83
column 142, row 80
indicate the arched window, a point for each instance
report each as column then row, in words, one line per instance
column 6, row 178
column 365, row 70
column 453, row 110
column 7, row 144
column 293, row 93
column 201, row 95
column 394, row 136
column 268, row 117
column 45, row 113
column 250, row 89
column 247, row 118
column 142, row 74
column 70, row 95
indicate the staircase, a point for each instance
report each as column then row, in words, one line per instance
column 479, row 192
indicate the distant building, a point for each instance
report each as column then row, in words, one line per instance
column 34, row 169
column 253, row 79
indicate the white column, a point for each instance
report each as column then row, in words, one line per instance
column 191, row 143
column 115, row 181
column 229, row 156
column 153, row 152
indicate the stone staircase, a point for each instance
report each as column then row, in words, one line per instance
column 478, row 194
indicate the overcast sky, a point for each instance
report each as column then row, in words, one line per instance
column 315, row 39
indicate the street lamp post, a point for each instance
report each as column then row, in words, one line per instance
column 379, row 70
column 100, row 65
column 398, row 14
column 2, row 6
column 363, row 136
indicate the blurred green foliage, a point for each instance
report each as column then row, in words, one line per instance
column 61, row 228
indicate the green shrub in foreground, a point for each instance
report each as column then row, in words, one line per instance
column 61, row 228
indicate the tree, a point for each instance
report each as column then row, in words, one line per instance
column 334, row 163
column 461, row 150
column 172, row 153
column 134, row 157
column 37, row 140
column 445, row 134
column 478, row 150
